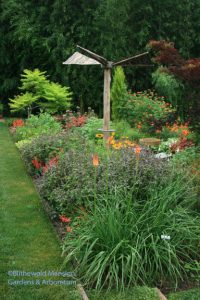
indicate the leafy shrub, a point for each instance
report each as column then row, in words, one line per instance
column 119, row 95
column 72, row 120
column 45, row 147
column 37, row 125
column 80, row 182
column 91, row 128
column 169, row 86
column 123, row 129
column 175, row 130
column 40, row 92
column 148, row 111
column 123, row 242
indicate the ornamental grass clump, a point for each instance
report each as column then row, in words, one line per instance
column 124, row 242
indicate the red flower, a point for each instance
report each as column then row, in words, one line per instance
column 45, row 168
column 53, row 161
column 18, row 123
column 64, row 219
column 36, row 163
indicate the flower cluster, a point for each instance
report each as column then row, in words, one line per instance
column 181, row 144
column 66, row 220
column 37, row 164
column 124, row 142
column 148, row 111
column 75, row 121
column 181, row 129
column 44, row 167
column 18, row 123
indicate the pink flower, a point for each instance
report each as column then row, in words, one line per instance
column 65, row 219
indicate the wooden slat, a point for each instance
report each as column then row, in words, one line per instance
column 82, row 292
column 140, row 59
column 80, row 59
column 162, row 297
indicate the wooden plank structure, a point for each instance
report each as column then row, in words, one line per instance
column 86, row 57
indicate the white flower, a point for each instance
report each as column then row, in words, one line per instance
column 165, row 237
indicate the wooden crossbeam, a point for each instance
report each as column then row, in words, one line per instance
column 140, row 59
column 93, row 55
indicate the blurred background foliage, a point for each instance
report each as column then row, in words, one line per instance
column 42, row 34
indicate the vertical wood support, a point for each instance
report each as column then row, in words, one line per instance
column 106, row 103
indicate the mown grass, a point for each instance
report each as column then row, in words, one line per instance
column 193, row 294
column 27, row 239
column 136, row 293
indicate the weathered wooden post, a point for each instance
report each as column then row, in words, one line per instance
column 106, row 102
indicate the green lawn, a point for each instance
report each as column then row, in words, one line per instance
column 27, row 238
column 136, row 293
column 193, row 294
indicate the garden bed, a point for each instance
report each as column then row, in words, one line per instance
column 82, row 182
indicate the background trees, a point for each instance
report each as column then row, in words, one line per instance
column 43, row 34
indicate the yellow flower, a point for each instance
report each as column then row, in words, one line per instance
column 117, row 146
column 99, row 135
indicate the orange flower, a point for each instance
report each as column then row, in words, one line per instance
column 95, row 160
column 110, row 140
column 185, row 132
column 69, row 229
column 137, row 150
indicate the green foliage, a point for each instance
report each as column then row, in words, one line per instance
column 148, row 111
column 40, row 92
column 58, row 98
column 119, row 95
column 167, row 85
column 23, row 102
column 91, row 128
column 191, row 294
column 45, row 147
column 76, row 184
column 165, row 145
column 25, row 224
column 117, row 247
column 36, row 126
column 38, row 36
column 123, row 129
column 33, row 81
column 1, row 108
column 135, row 293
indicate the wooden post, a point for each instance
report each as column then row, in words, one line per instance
column 106, row 103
